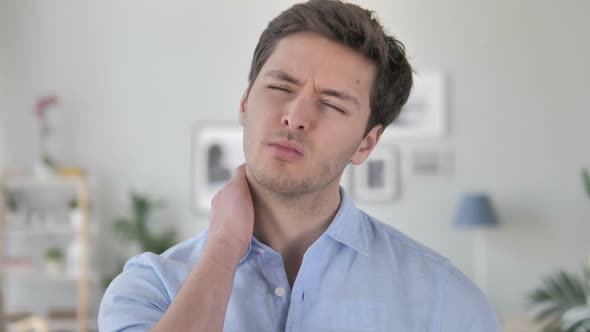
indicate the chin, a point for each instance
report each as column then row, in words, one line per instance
column 280, row 180
column 287, row 188
column 285, row 184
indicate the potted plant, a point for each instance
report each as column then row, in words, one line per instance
column 135, row 231
column 135, row 228
column 54, row 257
column 563, row 301
column 74, row 213
column 586, row 180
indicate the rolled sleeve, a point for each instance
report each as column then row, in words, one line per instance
column 136, row 299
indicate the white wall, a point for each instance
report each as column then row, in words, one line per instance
column 137, row 75
column 41, row 56
column 518, row 122
column 3, row 83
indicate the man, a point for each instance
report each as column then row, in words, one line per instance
column 286, row 249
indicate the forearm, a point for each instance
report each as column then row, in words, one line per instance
column 201, row 303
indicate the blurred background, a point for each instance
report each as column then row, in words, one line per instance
column 114, row 92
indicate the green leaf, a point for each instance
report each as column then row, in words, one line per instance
column 161, row 243
column 125, row 229
column 577, row 320
column 586, row 179
column 55, row 253
column 136, row 227
column 558, row 294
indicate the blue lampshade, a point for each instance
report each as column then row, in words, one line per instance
column 475, row 209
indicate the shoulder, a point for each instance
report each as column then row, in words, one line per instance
column 186, row 252
column 144, row 290
column 465, row 307
column 148, row 283
column 171, row 265
column 460, row 304
column 384, row 238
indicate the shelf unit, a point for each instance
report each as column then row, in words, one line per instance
column 84, row 279
column 34, row 276
column 2, row 222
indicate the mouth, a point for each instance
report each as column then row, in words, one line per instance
column 286, row 150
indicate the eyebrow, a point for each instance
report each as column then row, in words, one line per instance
column 283, row 76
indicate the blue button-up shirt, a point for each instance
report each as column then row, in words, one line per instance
column 360, row 275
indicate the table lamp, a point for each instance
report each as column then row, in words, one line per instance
column 475, row 211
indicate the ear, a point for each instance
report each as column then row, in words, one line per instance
column 243, row 102
column 367, row 145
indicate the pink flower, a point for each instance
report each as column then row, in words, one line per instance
column 44, row 103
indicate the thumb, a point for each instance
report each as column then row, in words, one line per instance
column 240, row 170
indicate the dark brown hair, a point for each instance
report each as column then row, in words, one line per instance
column 358, row 29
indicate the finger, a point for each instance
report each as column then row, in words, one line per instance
column 214, row 198
column 240, row 170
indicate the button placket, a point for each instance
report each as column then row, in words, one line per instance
column 304, row 283
column 271, row 265
column 280, row 278
column 279, row 291
column 282, row 292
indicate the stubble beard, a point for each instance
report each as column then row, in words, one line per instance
column 285, row 185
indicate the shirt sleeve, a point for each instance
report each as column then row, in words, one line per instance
column 136, row 299
column 465, row 308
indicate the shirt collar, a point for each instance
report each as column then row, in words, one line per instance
column 348, row 226
column 247, row 251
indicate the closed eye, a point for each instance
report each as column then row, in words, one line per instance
column 278, row 88
column 338, row 109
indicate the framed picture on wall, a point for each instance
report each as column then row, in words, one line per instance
column 216, row 152
column 424, row 114
column 377, row 179
column 431, row 161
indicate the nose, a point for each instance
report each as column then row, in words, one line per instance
column 299, row 115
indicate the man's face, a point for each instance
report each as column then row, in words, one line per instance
column 305, row 115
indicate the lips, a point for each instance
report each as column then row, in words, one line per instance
column 288, row 145
column 286, row 150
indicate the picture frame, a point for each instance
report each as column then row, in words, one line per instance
column 217, row 150
column 424, row 114
column 429, row 161
column 377, row 179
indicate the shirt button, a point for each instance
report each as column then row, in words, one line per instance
column 260, row 250
column 280, row 291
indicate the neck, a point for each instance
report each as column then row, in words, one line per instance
column 291, row 223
